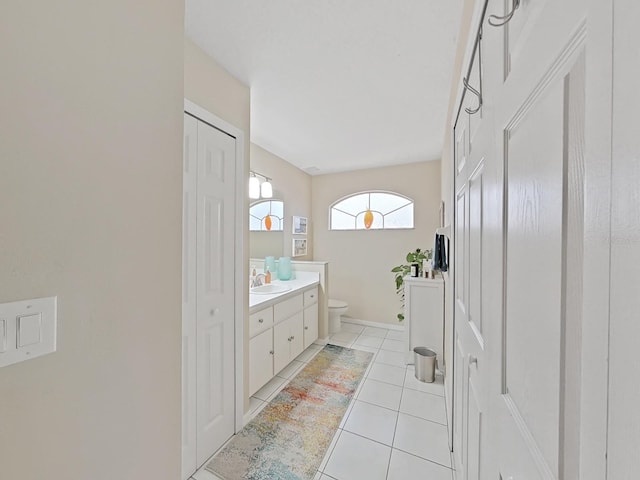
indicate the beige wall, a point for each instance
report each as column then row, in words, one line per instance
column 291, row 185
column 360, row 262
column 90, row 208
column 211, row 87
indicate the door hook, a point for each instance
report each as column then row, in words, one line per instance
column 498, row 21
column 476, row 93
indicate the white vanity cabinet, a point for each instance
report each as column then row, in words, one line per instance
column 287, row 341
column 424, row 315
column 260, row 348
column 279, row 333
column 310, row 317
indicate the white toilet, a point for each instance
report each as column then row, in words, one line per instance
column 337, row 308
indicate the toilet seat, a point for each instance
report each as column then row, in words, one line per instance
column 337, row 303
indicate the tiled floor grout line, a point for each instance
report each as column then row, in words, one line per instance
column 395, row 429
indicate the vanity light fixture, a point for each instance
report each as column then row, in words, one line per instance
column 258, row 189
column 266, row 190
column 254, row 186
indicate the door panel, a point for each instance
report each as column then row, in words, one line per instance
column 215, row 290
column 310, row 325
column 474, row 427
column 534, row 191
column 260, row 360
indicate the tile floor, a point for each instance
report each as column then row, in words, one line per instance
column 395, row 427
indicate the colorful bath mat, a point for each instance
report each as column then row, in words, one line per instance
column 289, row 437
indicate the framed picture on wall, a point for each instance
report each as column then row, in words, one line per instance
column 299, row 247
column 299, row 225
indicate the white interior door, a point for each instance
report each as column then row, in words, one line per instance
column 215, row 252
column 518, row 260
column 540, row 118
column 189, row 176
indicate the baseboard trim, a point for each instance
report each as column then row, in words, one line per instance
column 369, row 323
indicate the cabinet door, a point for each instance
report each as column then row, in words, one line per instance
column 296, row 329
column 260, row 360
column 310, row 325
column 281, row 346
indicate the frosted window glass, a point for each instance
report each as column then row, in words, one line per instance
column 254, row 224
column 375, row 225
column 386, row 202
column 277, row 209
column 354, row 205
column 342, row 221
column 260, row 210
column 402, row 218
column 389, row 211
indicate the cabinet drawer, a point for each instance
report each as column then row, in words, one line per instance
column 311, row 297
column 260, row 321
column 285, row 309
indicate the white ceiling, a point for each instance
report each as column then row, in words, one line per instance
column 337, row 84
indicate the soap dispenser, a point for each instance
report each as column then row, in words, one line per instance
column 267, row 276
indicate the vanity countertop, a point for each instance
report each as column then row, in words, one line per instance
column 303, row 281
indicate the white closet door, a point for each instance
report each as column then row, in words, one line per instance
column 215, row 290
column 189, row 462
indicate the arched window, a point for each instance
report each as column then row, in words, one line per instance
column 371, row 210
column 266, row 216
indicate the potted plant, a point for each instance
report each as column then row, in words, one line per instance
column 417, row 256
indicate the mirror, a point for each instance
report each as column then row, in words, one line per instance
column 266, row 228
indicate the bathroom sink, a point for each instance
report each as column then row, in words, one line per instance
column 269, row 289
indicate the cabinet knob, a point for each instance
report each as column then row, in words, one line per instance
column 270, row 352
column 292, row 337
column 260, row 320
column 306, row 328
column 312, row 296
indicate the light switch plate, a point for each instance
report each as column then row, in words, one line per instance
column 30, row 329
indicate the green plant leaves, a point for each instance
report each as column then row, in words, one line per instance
column 417, row 256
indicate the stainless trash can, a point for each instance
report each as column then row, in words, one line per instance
column 425, row 362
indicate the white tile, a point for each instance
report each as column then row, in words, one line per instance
column 404, row 466
column 375, row 332
column 291, row 370
column 387, row 373
column 381, row 394
column 396, row 359
column 396, row 335
column 424, row 405
column 203, row 474
column 309, row 353
column 271, row 387
column 345, row 417
column 435, row 388
column 343, row 337
column 351, row 328
column 358, row 458
column 367, row 341
column 341, row 344
column 254, row 404
column 393, row 345
column 332, row 445
column 422, row 438
column 372, row 421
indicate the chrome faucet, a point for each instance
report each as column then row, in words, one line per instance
column 257, row 281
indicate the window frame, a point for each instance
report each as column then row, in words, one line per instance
column 369, row 192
